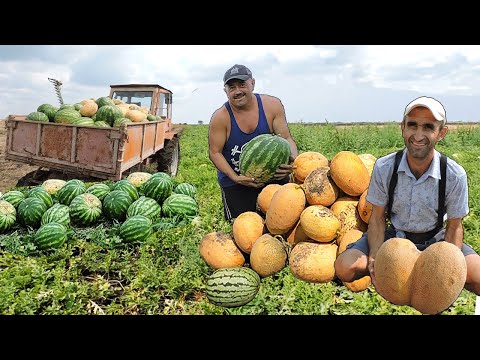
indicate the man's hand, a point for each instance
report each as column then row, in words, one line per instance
column 284, row 170
column 247, row 181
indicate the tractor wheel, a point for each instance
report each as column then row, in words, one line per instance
column 169, row 157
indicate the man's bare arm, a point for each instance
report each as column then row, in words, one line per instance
column 217, row 137
column 454, row 232
column 376, row 235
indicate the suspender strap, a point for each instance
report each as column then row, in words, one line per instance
column 441, row 191
column 393, row 182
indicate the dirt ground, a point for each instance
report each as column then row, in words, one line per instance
column 10, row 171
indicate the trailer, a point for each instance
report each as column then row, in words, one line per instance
column 77, row 151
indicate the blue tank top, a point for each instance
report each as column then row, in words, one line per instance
column 237, row 140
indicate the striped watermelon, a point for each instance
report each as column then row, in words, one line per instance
column 232, row 287
column 8, row 215
column 120, row 121
column 50, row 236
column 100, row 190
column 57, row 213
column 71, row 189
column 261, row 156
column 136, row 229
column 101, row 124
column 85, row 209
column 14, row 197
column 48, row 110
column 37, row 116
column 30, row 212
column 83, row 121
column 53, row 185
column 42, row 194
column 179, row 204
column 108, row 114
column 104, row 100
column 66, row 116
column 145, row 206
column 116, row 204
column 126, row 186
column 186, row 189
column 67, row 106
column 158, row 187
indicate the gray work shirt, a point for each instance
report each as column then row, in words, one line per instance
column 415, row 203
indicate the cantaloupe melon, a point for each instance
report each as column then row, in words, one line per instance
column 305, row 162
column 265, row 196
column 393, row 267
column 319, row 188
column 219, row 250
column 313, row 262
column 285, row 208
column 439, row 276
column 369, row 162
column 349, row 173
column 247, row 228
column 364, row 207
column 319, row 223
column 296, row 235
column 268, row 255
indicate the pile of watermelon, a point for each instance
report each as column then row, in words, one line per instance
column 136, row 202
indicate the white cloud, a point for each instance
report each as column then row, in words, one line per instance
column 313, row 82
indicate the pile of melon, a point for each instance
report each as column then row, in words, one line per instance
column 101, row 112
column 305, row 224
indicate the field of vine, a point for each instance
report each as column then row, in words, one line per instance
column 165, row 275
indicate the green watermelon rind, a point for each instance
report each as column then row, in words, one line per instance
column 261, row 156
column 232, row 287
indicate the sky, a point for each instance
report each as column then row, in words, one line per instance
column 316, row 83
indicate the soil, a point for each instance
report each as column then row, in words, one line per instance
column 10, row 171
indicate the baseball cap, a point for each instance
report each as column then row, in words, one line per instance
column 432, row 104
column 237, row 71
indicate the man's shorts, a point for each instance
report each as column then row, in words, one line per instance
column 238, row 199
column 362, row 243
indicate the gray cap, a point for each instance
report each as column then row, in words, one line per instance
column 430, row 103
column 240, row 72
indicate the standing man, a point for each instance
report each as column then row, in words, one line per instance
column 415, row 210
column 244, row 116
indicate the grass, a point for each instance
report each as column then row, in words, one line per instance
column 91, row 274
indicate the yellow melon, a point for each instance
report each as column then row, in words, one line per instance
column 369, row 162
column 319, row 188
column 364, row 207
column 296, row 235
column 349, row 237
column 305, row 162
column 89, row 108
column 349, row 173
column 358, row 285
column 342, row 202
column 350, row 219
column 319, row 223
column 393, row 267
column 265, row 196
column 247, row 228
column 313, row 262
column 268, row 255
column 285, row 208
column 219, row 250
column 439, row 276
column 135, row 115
